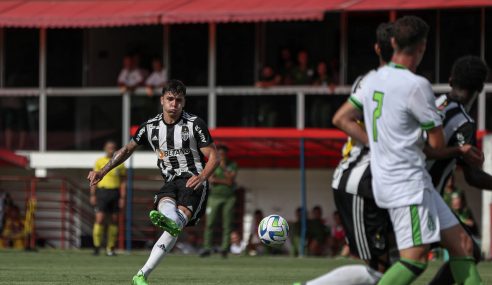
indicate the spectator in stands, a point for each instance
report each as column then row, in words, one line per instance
column 338, row 244
column 237, row 244
column 107, row 198
column 255, row 246
column 325, row 76
column 130, row 77
column 14, row 117
column 458, row 205
column 221, row 202
column 318, row 233
column 295, row 233
column 303, row 73
column 268, row 78
column 13, row 231
column 334, row 72
column 157, row 78
column 6, row 202
column 286, row 66
column 449, row 189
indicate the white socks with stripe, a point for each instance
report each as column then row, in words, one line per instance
column 166, row 242
column 348, row 275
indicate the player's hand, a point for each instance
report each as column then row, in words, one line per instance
column 195, row 181
column 472, row 155
column 94, row 177
column 92, row 200
column 121, row 203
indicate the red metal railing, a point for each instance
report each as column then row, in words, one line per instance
column 58, row 202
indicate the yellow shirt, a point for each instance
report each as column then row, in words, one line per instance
column 112, row 180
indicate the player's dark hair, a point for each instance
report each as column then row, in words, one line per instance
column 409, row 31
column 175, row 87
column 469, row 73
column 223, row 147
column 111, row 141
column 384, row 32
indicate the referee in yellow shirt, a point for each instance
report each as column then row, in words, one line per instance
column 107, row 197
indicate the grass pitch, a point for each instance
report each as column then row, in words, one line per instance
column 79, row 267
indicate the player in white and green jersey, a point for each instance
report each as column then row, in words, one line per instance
column 398, row 106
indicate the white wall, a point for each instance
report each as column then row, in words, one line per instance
column 279, row 190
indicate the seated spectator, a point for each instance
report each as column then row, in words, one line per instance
column 458, row 205
column 317, row 232
column 334, row 72
column 13, row 230
column 302, row 73
column 237, row 244
column 157, row 78
column 255, row 246
column 295, row 233
column 449, row 189
column 130, row 77
column 338, row 244
column 324, row 77
column 286, row 66
column 268, row 78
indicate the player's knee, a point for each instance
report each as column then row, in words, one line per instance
column 417, row 268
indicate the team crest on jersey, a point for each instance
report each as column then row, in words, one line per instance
column 430, row 223
column 185, row 133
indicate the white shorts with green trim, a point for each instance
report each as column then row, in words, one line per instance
column 416, row 225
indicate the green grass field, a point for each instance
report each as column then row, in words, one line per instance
column 79, row 267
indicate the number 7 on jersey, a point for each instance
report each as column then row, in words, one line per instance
column 376, row 97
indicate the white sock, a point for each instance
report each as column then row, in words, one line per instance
column 166, row 242
column 348, row 275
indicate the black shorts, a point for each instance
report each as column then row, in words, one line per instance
column 194, row 200
column 367, row 227
column 107, row 200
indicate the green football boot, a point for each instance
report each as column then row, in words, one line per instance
column 163, row 222
column 139, row 279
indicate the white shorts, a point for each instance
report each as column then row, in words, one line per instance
column 416, row 225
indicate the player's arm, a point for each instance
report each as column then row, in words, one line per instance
column 476, row 177
column 347, row 119
column 421, row 104
column 210, row 152
column 118, row 158
column 435, row 141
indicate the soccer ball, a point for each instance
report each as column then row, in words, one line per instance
column 273, row 230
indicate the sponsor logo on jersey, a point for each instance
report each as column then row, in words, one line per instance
column 140, row 133
column 185, row 133
column 161, row 154
column 460, row 138
column 200, row 134
column 430, row 223
column 155, row 138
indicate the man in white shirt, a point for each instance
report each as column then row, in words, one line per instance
column 398, row 106
column 157, row 78
column 130, row 77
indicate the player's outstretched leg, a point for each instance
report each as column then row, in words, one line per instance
column 165, row 243
column 348, row 275
column 165, row 217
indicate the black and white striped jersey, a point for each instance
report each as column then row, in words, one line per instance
column 353, row 174
column 459, row 129
column 177, row 146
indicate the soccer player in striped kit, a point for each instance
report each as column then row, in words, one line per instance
column 180, row 141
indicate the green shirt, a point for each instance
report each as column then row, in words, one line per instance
column 222, row 189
